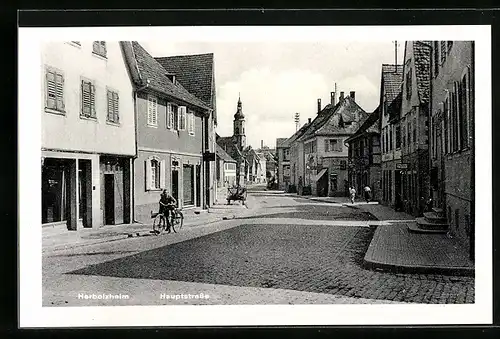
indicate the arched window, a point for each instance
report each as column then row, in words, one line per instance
column 237, row 131
column 155, row 174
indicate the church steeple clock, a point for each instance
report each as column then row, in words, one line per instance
column 239, row 127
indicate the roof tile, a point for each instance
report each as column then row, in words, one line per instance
column 152, row 70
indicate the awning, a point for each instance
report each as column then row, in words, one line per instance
column 320, row 174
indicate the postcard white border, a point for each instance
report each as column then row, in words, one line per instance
column 32, row 314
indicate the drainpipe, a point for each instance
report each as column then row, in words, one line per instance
column 134, row 158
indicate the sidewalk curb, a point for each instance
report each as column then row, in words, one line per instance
column 86, row 243
column 132, row 234
column 418, row 269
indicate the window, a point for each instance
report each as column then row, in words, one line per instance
column 155, row 173
column 409, row 135
column 152, row 111
column 333, row 145
column 391, row 146
column 436, row 58
column 464, row 110
column 450, row 45
column 447, row 125
column 99, row 48
column 54, row 90
column 361, row 148
column 415, row 131
column 403, row 137
column 182, row 118
column 343, row 164
column 175, row 118
column 444, row 49
column 170, row 115
column 87, row 99
column 408, row 85
column 398, row 137
column 191, row 123
column 113, row 107
column 454, row 118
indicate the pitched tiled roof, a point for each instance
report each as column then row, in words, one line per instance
column 280, row 141
column 195, row 73
column 288, row 142
column 318, row 120
column 392, row 77
column 150, row 69
column 223, row 155
column 422, row 56
column 370, row 125
column 394, row 109
column 330, row 119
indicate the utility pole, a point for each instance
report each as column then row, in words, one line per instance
column 297, row 121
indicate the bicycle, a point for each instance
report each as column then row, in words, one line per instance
column 160, row 221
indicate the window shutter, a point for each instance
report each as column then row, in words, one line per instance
column 60, row 91
column 116, row 107
column 155, row 112
column 92, row 100
column 103, row 47
column 95, row 46
column 149, row 111
column 110, row 105
column 162, row 174
column 458, row 119
column 86, row 98
column 182, row 118
column 148, row 174
column 169, row 111
column 50, row 84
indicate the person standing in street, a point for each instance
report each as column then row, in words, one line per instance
column 352, row 193
column 368, row 193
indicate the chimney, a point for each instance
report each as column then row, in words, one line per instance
column 332, row 98
column 352, row 94
column 319, row 105
column 309, row 120
column 341, row 96
column 262, row 144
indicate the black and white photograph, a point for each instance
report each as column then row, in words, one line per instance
column 255, row 175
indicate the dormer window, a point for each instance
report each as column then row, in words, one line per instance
column 172, row 78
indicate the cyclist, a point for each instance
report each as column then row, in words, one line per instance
column 167, row 207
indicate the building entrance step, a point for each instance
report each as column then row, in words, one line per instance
column 425, row 224
column 438, row 211
column 414, row 228
column 435, row 218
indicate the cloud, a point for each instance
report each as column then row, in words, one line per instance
column 276, row 80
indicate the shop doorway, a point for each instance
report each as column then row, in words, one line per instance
column 55, row 190
column 109, row 199
column 175, row 185
column 198, row 185
column 85, row 192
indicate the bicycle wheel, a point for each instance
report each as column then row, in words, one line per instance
column 158, row 224
column 178, row 221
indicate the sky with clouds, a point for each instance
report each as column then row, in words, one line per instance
column 276, row 80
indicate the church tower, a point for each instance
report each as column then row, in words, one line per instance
column 239, row 127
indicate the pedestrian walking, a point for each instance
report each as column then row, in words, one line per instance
column 352, row 193
column 368, row 193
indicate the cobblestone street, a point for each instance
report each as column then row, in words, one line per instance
column 260, row 251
